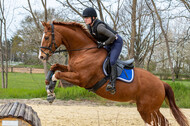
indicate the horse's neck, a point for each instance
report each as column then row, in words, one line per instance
column 75, row 38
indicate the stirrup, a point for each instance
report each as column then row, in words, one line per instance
column 110, row 88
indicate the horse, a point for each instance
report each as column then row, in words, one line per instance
column 85, row 70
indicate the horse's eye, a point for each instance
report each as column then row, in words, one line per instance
column 46, row 38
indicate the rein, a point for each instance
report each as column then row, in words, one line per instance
column 65, row 50
column 59, row 51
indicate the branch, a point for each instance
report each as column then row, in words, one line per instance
column 31, row 12
column 187, row 5
column 45, row 9
column 73, row 8
column 108, row 12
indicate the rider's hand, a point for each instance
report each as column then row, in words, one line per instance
column 100, row 44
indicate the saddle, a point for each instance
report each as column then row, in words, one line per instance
column 125, row 70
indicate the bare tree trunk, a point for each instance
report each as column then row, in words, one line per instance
column 2, row 58
column 44, row 3
column 152, row 48
column 3, row 22
column 100, row 10
column 6, row 54
column 34, row 18
column 133, row 30
column 166, row 39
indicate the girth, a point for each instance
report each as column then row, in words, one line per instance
column 98, row 85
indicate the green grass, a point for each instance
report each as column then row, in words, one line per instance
column 26, row 81
column 74, row 93
column 21, row 93
column 185, row 82
column 26, row 86
column 182, row 93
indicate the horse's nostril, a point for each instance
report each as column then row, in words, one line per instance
column 41, row 57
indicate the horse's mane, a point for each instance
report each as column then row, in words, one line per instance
column 82, row 27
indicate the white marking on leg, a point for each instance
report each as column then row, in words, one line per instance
column 146, row 124
column 54, row 78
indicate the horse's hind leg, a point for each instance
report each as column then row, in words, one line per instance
column 153, row 118
column 162, row 120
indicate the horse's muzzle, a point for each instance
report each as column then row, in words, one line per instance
column 43, row 57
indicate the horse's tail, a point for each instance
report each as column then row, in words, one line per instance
column 179, row 116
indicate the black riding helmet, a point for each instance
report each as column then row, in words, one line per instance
column 89, row 12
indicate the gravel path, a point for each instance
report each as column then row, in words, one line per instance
column 85, row 113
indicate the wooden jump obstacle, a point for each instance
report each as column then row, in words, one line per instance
column 18, row 114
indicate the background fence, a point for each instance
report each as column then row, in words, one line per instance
column 25, row 70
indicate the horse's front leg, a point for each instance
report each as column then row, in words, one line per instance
column 50, row 85
column 54, row 68
column 72, row 77
column 59, row 67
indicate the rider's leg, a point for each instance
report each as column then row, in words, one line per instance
column 113, row 76
column 114, row 54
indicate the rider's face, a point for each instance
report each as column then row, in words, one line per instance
column 88, row 20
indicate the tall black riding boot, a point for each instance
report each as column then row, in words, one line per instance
column 111, row 85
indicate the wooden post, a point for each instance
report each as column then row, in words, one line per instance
column 30, row 70
column 11, row 69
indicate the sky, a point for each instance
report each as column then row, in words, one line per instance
column 15, row 12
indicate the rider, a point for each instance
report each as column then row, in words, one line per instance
column 106, row 37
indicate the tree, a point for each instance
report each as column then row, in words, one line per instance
column 38, row 25
column 4, row 55
column 133, row 29
column 166, row 39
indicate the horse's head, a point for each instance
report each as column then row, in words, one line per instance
column 50, row 41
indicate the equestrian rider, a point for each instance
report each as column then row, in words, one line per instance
column 106, row 37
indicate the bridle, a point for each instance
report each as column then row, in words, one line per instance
column 55, row 45
column 52, row 43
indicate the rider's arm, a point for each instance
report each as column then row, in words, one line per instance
column 101, row 29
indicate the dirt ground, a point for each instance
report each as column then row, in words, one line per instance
column 85, row 113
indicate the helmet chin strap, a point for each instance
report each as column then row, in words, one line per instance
column 92, row 20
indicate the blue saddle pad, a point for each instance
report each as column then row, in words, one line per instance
column 126, row 75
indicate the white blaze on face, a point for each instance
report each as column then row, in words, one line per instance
column 41, row 45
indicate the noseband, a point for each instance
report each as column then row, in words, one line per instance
column 52, row 43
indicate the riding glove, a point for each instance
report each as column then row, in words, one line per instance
column 101, row 44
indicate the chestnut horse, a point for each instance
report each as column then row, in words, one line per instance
column 85, row 70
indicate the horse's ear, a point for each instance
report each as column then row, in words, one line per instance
column 44, row 23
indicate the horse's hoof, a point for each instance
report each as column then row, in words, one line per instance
column 50, row 98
